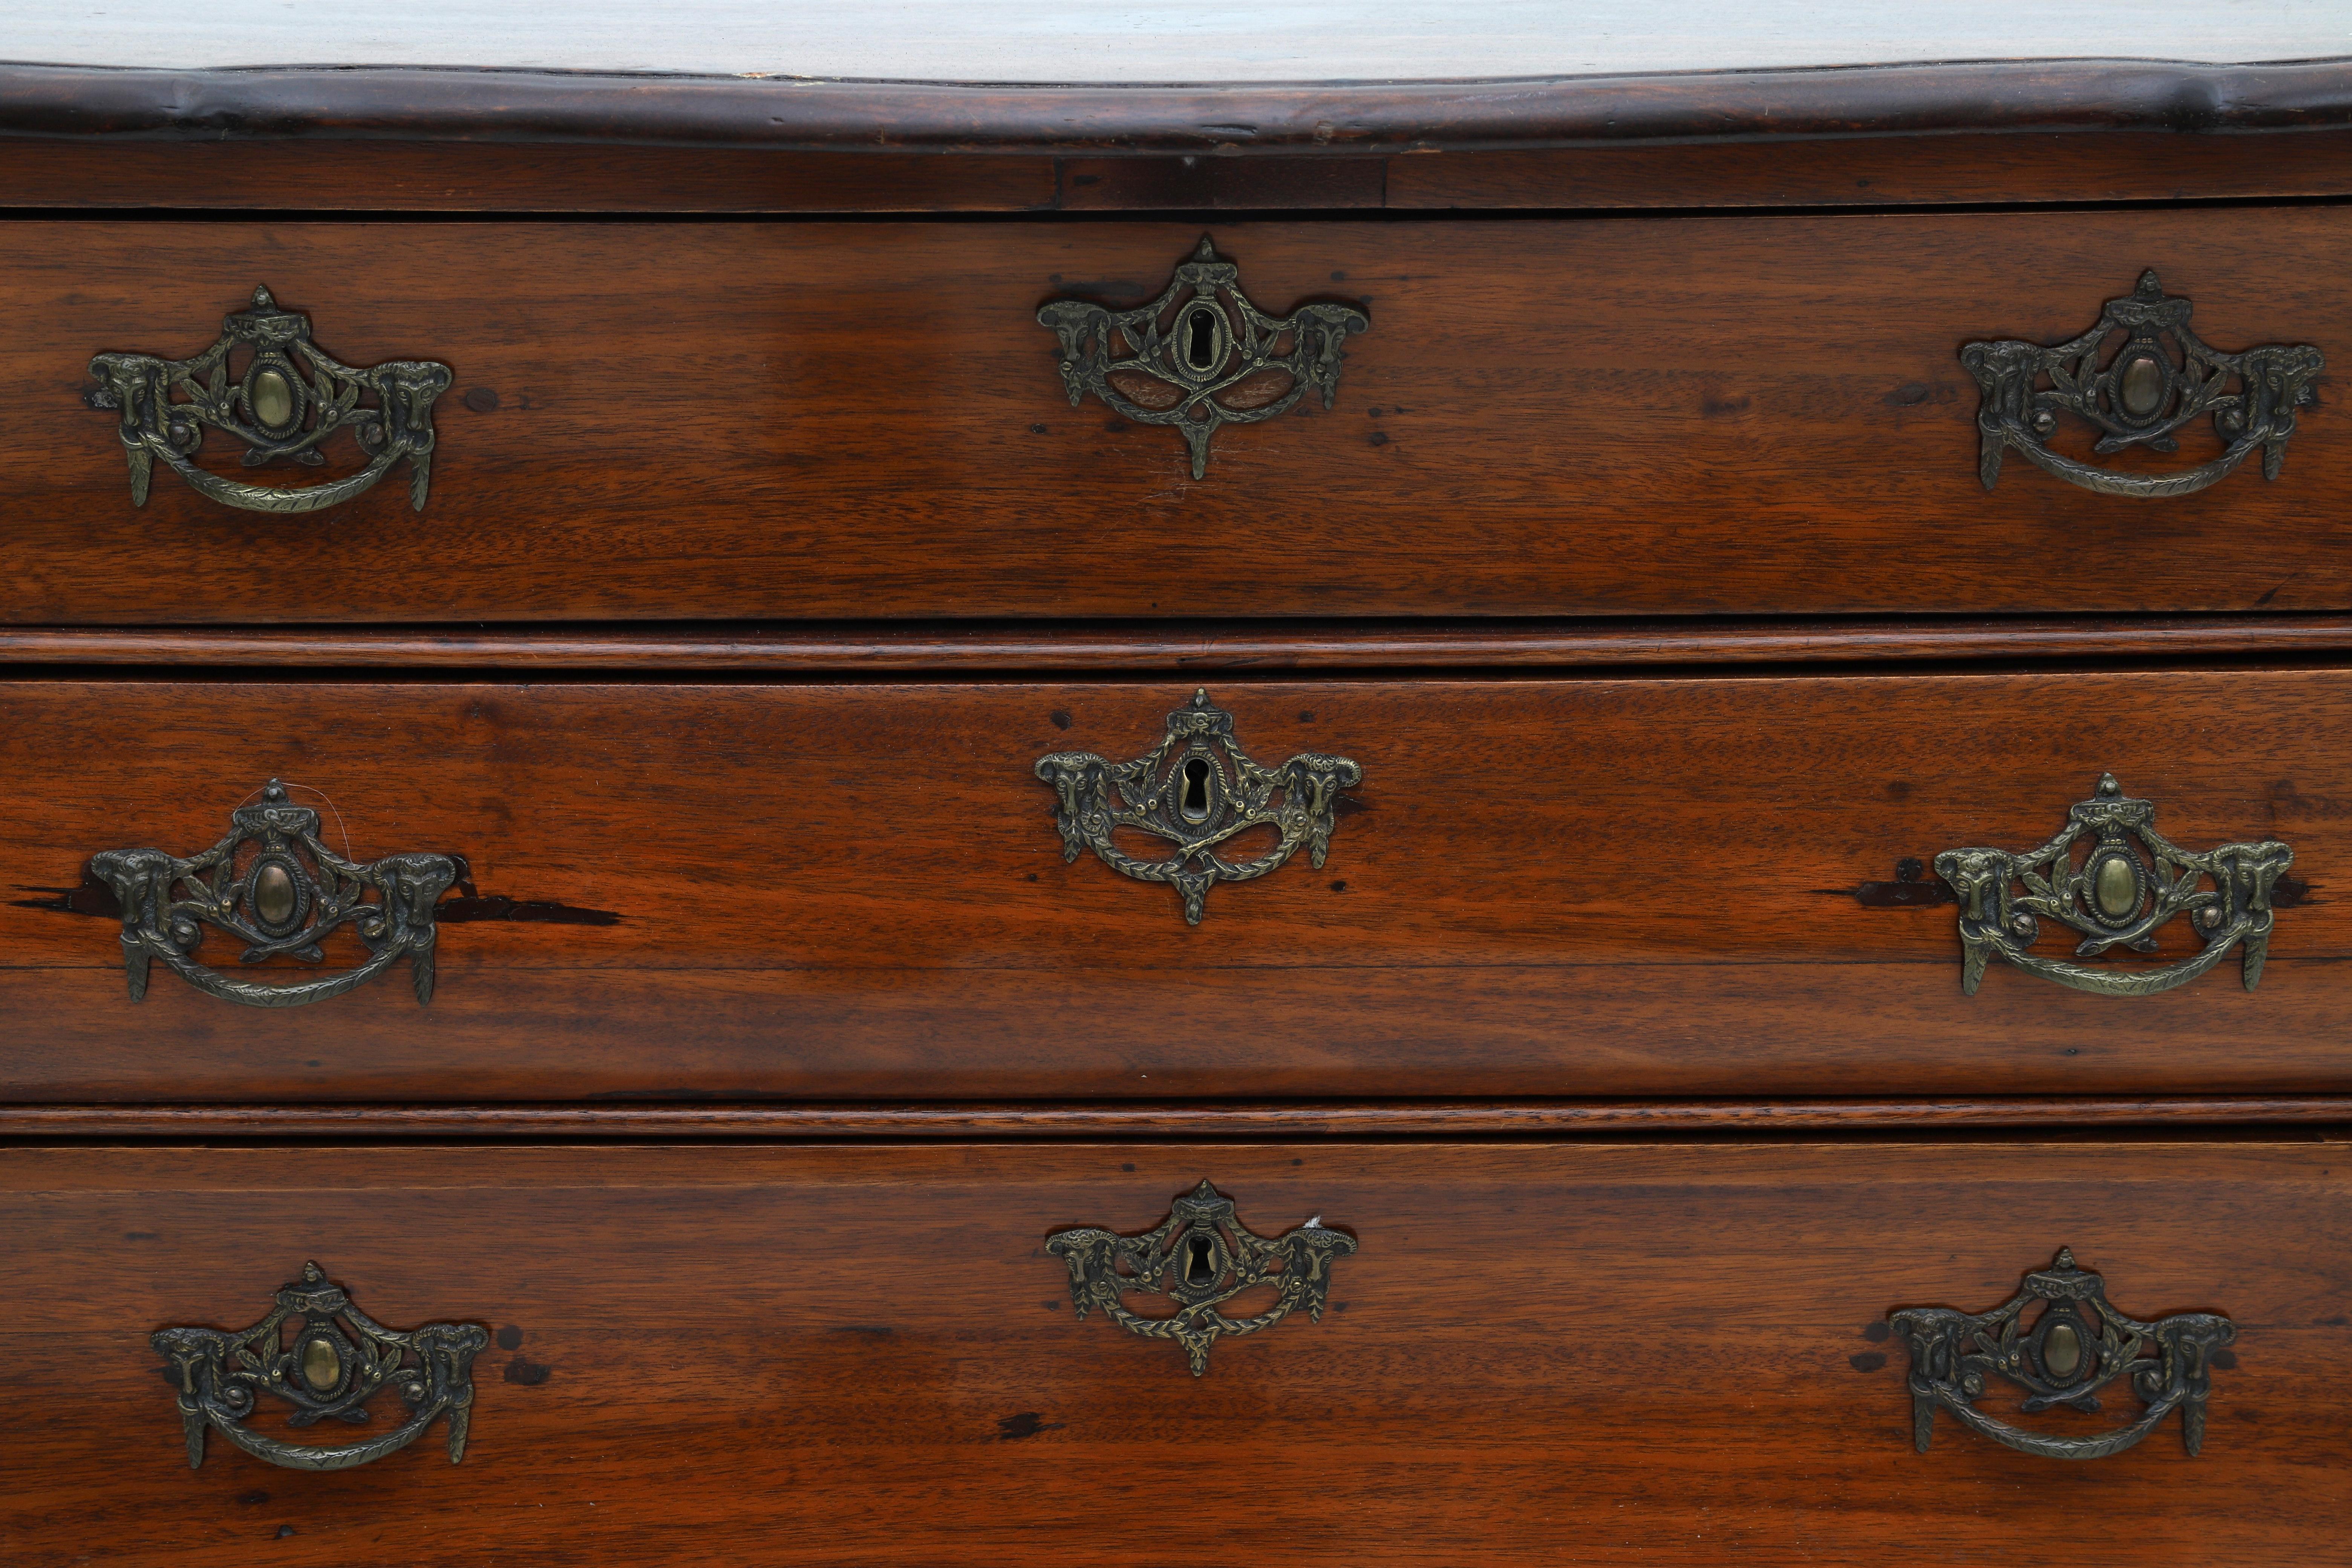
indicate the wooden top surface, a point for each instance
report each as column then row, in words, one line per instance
column 179, row 108
column 1314, row 76
column 1135, row 41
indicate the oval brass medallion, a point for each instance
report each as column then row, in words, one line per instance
column 322, row 1368
column 2116, row 887
column 2062, row 1352
column 2142, row 385
column 273, row 895
column 273, row 399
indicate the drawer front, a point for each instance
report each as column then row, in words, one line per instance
column 825, row 419
column 762, row 1354
column 1557, row 886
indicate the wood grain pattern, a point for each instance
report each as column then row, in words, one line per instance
column 957, row 647
column 1200, row 1120
column 1563, row 887
column 287, row 103
column 467, row 176
column 1596, row 1353
column 1640, row 416
column 2003, row 169
column 1876, row 170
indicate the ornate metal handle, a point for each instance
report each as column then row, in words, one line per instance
column 341, row 1358
column 2076, row 1345
column 1201, row 356
column 1200, row 1258
column 272, row 885
column 2115, row 896
column 2160, row 379
column 1197, row 789
column 279, row 407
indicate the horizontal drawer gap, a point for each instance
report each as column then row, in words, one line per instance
column 1188, row 1119
column 1181, row 646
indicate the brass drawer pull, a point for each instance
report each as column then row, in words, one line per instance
column 272, row 885
column 2159, row 380
column 1200, row 1258
column 1197, row 789
column 340, row 1359
column 1201, row 356
column 2076, row 1345
column 289, row 398
column 2118, row 896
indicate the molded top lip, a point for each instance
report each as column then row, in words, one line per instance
column 1347, row 117
column 1161, row 42
column 1180, row 82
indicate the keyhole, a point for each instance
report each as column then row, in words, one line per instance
column 1195, row 802
column 1200, row 1260
column 1200, row 340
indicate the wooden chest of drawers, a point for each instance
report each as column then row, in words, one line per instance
column 1489, row 794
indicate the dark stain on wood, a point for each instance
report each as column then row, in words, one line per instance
column 522, row 911
column 94, row 897
column 1911, row 889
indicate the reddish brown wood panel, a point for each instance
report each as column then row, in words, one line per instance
column 1563, row 887
column 1884, row 170
column 458, row 177
column 1611, row 417
column 1844, row 170
column 1594, row 1353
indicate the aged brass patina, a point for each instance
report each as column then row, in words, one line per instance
column 273, row 894
column 1196, row 791
column 2161, row 379
column 322, row 1368
column 274, row 886
column 2118, row 896
column 292, row 396
column 273, row 399
column 2078, row 1345
column 344, row 1359
column 2062, row 1352
column 1201, row 356
column 1200, row 1258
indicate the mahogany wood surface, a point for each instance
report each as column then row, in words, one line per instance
column 1110, row 647
column 293, row 104
column 1594, row 1353
column 1196, row 1120
column 1873, row 171
column 1578, row 886
column 756, row 420
column 1946, row 168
